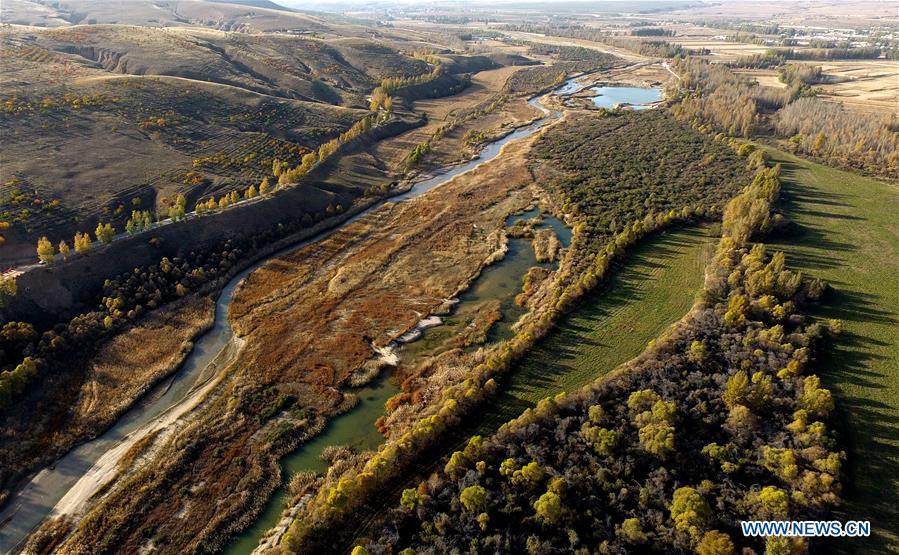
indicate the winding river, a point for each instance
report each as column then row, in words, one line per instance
column 66, row 486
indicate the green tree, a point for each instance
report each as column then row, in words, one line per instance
column 45, row 251
column 104, row 233
column 632, row 531
column 8, row 289
column 643, row 400
column 689, row 510
column 549, row 507
column 308, row 161
column 13, row 383
column 596, row 414
column 657, row 438
column 473, row 498
column 773, row 502
column 715, row 543
column 530, row 474
column 176, row 211
column 816, row 400
column 762, row 390
column 82, row 243
column 737, row 389
column 603, row 440
column 697, row 352
column 508, row 467
column 410, row 498
column 781, row 545
column 736, row 310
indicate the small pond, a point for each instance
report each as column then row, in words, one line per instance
column 355, row 429
column 638, row 98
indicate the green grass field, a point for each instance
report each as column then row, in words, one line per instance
column 848, row 234
column 654, row 287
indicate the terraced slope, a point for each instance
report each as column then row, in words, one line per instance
column 244, row 15
column 848, row 234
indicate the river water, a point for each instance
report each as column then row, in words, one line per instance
column 499, row 282
column 88, row 467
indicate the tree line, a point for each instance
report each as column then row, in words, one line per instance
column 653, row 32
column 714, row 99
column 142, row 220
column 634, row 42
column 823, row 54
column 825, row 130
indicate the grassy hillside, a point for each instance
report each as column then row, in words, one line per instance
column 848, row 234
column 334, row 71
column 244, row 15
column 128, row 117
column 138, row 141
column 654, row 287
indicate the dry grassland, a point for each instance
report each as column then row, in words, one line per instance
column 870, row 86
column 866, row 85
column 764, row 77
column 847, row 13
column 131, row 362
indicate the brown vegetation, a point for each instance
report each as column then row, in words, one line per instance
column 96, row 392
column 546, row 245
column 132, row 361
column 309, row 320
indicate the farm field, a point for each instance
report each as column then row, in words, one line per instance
column 848, row 235
column 864, row 85
column 867, row 86
column 654, row 287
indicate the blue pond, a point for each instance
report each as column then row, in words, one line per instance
column 637, row 97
